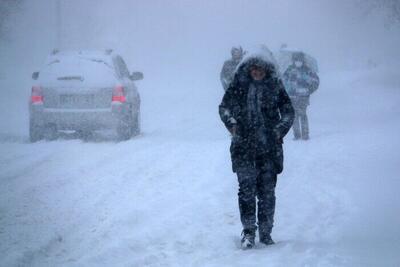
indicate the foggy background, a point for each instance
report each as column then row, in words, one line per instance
column 338, row 196
column 182, row 44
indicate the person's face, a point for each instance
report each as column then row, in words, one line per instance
column 257, row 73
column 236, row 55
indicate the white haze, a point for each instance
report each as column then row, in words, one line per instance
column 337, row 198
column 178, row 42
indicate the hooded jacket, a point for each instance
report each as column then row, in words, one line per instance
column 276, row 111
column 300, row 83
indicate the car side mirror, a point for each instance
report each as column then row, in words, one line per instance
column 35, row 75
column 135, row 76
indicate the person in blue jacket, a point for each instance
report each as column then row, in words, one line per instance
column 300, row 82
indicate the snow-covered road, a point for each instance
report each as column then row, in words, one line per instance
column 168, row 197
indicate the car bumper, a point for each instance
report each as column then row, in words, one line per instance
column 79, row 119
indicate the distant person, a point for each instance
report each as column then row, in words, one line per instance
column 228, row 70
column 300, row 81
column 258, row 113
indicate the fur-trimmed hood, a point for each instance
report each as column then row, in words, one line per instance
column 261, row 56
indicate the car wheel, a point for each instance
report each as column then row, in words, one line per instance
column 35, row 132
column 50, row 132
column 85, row 135
column 136, row 124
column 124, row 129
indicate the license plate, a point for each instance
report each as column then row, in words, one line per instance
column 76, row 100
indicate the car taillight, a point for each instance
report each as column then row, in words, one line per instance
column 37, row 95
column 119, row 94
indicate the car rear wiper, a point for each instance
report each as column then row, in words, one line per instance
column 98, row 61
column 70, row 78
column 53, row 62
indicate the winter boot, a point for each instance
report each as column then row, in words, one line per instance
column 248, row 237
column 266, row 239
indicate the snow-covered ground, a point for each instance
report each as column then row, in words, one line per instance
column 169, row 198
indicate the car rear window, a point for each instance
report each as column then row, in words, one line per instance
column 82, row 69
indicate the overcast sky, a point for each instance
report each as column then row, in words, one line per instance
column 180, row 45
column 190, row 37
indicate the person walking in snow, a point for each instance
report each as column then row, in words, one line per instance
column 228, row 69
column 258, row 113
column 300, row 83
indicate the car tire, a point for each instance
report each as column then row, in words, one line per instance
column 50, row 132
column 136, row 124
column 35, row 131
column 124, row 128
column 85, row 135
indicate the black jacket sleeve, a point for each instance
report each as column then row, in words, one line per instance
column 286, row 111
column 314, row 82
column 311, row 82
column 228, row 104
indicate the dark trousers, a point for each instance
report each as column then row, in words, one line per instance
column 257, row 182
column 300, row 124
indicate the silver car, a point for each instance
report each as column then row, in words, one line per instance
column 84, row 91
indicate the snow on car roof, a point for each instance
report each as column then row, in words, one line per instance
column 105, row 56
column 90, row 67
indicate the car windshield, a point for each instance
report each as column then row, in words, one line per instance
column 80, row 68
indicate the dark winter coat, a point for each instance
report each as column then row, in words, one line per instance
column 277, row 113
column 300, row 84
